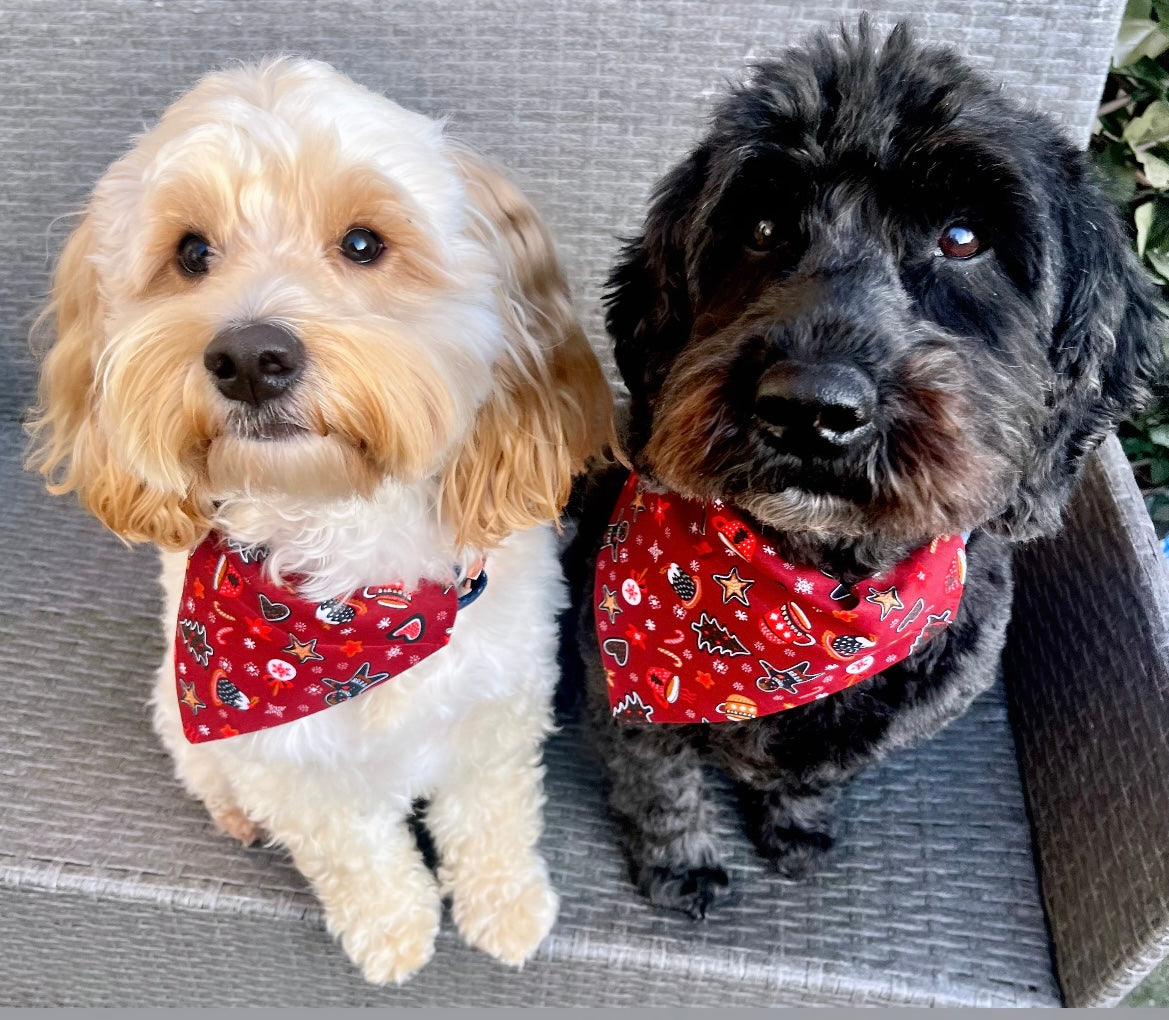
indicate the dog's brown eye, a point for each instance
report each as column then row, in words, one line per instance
column 959, row 242
column 361, row 245
column 764, row 237
column 193, row 255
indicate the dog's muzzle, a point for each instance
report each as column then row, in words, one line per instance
column 827, row 402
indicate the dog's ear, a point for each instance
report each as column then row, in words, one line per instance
column 69, row 447
column 551, row 407
column 649, row 313
column 1105, row 350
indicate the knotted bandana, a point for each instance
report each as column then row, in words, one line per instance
column 699, row 619
column 251, row 654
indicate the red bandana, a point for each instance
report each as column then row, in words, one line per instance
column 251, row 654
column 699, row 620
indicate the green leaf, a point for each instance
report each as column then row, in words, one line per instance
column 1151, row 127
column 1139, row 37
column 1156, row 169
column 1143, row 218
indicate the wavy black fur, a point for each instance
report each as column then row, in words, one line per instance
column 995, row 375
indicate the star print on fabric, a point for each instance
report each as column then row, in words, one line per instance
column 190, row 698
column 888, row 600
column 198, row 589
column 713, row 637
column 773, row 679
column 705, row 679
column 660, row 508
column 258, row 628
column 351, row 648
column 734, row 586
column 609, row 603
column 637, row 505
column 635, row 636
column 303, row 651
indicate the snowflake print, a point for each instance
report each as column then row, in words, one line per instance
column 441, row 616
column 790, row 653
column 890, row 658
column 769, row 550
column 624, row 555
column 655, row 602
column 302, row 708
column 687, row 654
column 225, row 665
column 679, row 612
column 650, row 625
column 415, row 659
column 318, row 670
column 760, row 646
column 640, row 540
column 204, row 731
column 211, row 618
column 182, row 668
column 654, row 550
column 251, row 669
column 667, row 532
column 695, row 566
column 314, row 689
column 300, row 626
column 804, row 586
column 689, row 713
column 249, row 644
column 747, row 667
column 383, row 623
column 719, row 504
column 832, row 665
column 190, row 605
column 693, row 529
column 737, row 686
column 612, row 575
column 740, row 615
column 276, row 710
column 720, row 667
column 348, row 630
column 394, row 652
column 788, row 566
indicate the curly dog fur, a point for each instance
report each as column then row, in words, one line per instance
column 873, row 204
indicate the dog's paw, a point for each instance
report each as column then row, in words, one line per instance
column 390, row 952
column 693, row 891
column 233, row 822
column 507, row 917
column 794, row 853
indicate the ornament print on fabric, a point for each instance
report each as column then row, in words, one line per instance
column 251, row 654
column 699, row 619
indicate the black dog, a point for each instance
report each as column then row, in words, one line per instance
column 878, row 303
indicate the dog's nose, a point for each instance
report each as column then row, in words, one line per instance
column 255, row 362
column 832, row 400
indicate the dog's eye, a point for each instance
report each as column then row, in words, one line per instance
column 193, row 255
column 764, row 236
column 361, row 245
column 959, row 242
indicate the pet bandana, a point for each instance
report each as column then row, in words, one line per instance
column 251, row 653
column 699, row 620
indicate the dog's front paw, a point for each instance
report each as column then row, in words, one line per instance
column 507, row 915
column 693, row 890
column 390, row 948
column 233, row 822
column 791, row 851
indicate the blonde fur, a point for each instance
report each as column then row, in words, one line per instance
column 447, row 397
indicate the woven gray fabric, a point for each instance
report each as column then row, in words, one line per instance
column 1092, row 742
column 114, row 889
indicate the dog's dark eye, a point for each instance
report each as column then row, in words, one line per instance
column 764, row 237
column 361, row 245
column 959, row 242
column 193, row 255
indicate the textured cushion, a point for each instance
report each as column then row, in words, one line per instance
column 114, row 888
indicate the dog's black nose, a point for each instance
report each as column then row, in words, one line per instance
column 832, row 400
column 255, row 362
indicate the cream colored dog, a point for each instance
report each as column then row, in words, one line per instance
column 299, row 315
